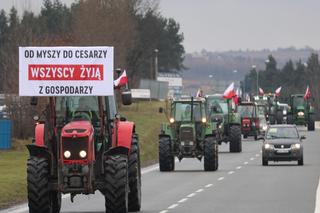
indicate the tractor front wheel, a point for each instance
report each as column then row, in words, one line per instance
column 40, row 198
column 166, row 157
column 210, row 154
column 134, row 176
column 235, row 139
column 116, row 178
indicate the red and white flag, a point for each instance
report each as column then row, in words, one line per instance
column 229, row 92
column 308, row 94
column 261, row 92
column 121, row 81
column 278, row 91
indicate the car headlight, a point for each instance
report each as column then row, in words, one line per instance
column 267, row 146
column 300, row 114
column 67, row 154
column 296, row 146
column 284, row 112
column 204, row 120
column 83, row 154
column 171, row 120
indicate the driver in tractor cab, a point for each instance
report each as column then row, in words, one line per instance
column 186, row 116
column 84, row 111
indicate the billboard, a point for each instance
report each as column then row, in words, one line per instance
column 65, row 71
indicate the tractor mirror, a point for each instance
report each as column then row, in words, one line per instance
column 126, row 97
column 303, row 137
column 34, row 101
column 161, row 110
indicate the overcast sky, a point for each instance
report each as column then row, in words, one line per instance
column 235, row 24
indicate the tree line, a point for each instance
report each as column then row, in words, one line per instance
column 134, row 27
column 293, row 77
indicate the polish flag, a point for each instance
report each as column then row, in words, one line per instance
column 308, row 94
column 229, row 92
column 261, row 92
column 278, row 91
column 121, row 81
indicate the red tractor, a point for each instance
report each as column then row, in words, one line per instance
column 250, row 122
column 83, row 145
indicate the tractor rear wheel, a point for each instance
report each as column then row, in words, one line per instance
column 134, row 176
column 289, row 119
column 310, row 123
column 279, row 117
column 116, row 178
column 40, row 198
column 210, row 154
column 235, row 139
column 166, row 157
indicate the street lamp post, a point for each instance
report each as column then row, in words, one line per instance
column 156, row 51
column 254, row 68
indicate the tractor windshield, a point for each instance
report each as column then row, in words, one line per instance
column 298, row 101
column 220, row 104
column 77, row 108
column 246, row 110
column 182, row 112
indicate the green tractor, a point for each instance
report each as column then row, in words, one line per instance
column 223, row 111
column 301, row 112
column 274, row 113
column 188, row 135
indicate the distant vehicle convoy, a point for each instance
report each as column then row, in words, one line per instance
column 282, row 143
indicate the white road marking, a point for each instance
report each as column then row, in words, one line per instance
column 173, row 206
column 220, row 178
column 230, row 173
column 183, row 200
column 239, row 167
column 199, row 190
column 245, row 163
column 251, row 158
column 317, row 204
column 191, row 195
column 164, row 211
column 209, row 185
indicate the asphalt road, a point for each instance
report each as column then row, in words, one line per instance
column 241, row 184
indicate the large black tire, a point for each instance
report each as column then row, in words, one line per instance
column 264, row 161
column 310, row 123
column 117, row 189
column 272, row 119
column 210, row 154
column 279, row 117
column 300, row 161
column 40, row 198
column 290, row 119
column 235, row 139
column 166, row 157
column 134, row 176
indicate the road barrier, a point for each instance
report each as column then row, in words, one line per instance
column 5, row 133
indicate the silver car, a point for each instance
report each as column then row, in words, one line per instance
column 282, row 143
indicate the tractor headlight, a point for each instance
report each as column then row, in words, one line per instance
column 83, row 154
column 267, row 146
column 191, row 143
column 204, row 120
column 67, row 154
column 300, row 114
column 284, row 112
column 296, row 146
column 171, row 120
column 264, row 127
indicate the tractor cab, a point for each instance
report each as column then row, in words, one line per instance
column 250, row 122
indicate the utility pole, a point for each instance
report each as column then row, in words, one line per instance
column 156, row 51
